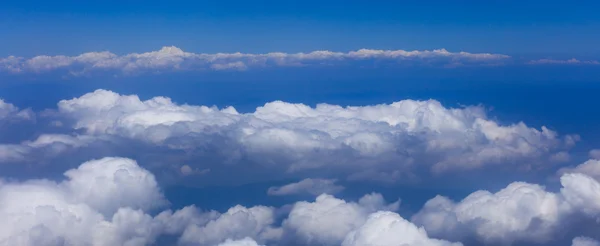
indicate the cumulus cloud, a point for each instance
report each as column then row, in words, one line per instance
column 9, row 111
column 521, row 212
column 237, row 223
column 99, row 203
column 385, row 142
column 307, row 186
column 172, row 59
column 590, row 168
column 107, row 202
column 328, row 220
column 571, row 61
column 390, row 229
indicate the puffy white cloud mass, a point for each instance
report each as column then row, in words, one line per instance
column 172, row 59
column 389, row 229
column 307, row 186
column 107, row 202
column 385, row 142
column 590, row 168
column 99, row 203
column 521, row 212
column 328, row 220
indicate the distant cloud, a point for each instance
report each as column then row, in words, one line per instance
column 174, row 59
column 307, row 186
column 564, row 62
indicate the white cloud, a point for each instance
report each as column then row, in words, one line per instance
column 106, row 202
column 307, row 186
column 242, row 242
column 75, row 211
column 379, row 142
column 237, row 223
column 43, row 147
column 585, row 241
column 590, row 168
column 389, row 229
column 521, row 212
column 571, row 61
column 172, row 58
column 110, row 183
column 328, row 220
column 9, row 111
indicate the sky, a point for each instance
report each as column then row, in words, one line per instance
column 299, row 123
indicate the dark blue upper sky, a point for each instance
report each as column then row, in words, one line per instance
column 552, row 28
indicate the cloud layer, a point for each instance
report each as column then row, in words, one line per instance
column 109, row 201
column 401, row 141
column 174, row 59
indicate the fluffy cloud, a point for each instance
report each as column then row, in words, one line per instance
column 590, row 168
column 389, row 229
column 332, row 221
column 307, row 186
column 238, row 223
column 173, row 58
column 328, row 220
column 521, row 212
column 385, row 142
column 78, row 211
column 11, row 112
column 106, row 202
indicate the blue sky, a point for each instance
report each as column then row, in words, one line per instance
column 475, row 120
column 513, row 27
